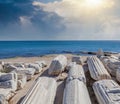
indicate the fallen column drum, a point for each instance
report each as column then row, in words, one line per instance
column 76, row 92
column 43, row 91
column 107, row 92
column 57, row 65
column 76, row 72
column 97, row 69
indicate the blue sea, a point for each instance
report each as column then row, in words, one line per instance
column 10, row 49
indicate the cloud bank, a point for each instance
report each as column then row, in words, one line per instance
column 20, row 19
column 59, row 19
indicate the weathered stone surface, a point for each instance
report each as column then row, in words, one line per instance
column 29, row 72
column 2, row 62
column 6, row 77
column 43, row 91
column 111, row 64
column 78, row 59
column 22, row 79
column 57, row 65
column 76, row 72
column 76, row 92
column 2, row 99
column 97, row 69
column 1, row 68
column 8, row 85
column 107, row 92
column 118, row 74
column 69, row 66
column 19, row 68
column 114, row 57
column 8, row 80
column 19, row 65
column 37, row 68
column 7, row 93
column 100, row 53
column 41, row 63
column 8, row 67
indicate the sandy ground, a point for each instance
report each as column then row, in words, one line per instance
column 60, row 79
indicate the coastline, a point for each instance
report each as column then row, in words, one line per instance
column 32, row 59
column 60, row 79
column 40, row 48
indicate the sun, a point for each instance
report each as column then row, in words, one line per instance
column 94, row 3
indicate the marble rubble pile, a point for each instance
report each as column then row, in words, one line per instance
column 13, row 76
column 35, row 66
column 8, row 86
column 29, row 69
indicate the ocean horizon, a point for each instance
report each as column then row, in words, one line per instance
column 9, row 49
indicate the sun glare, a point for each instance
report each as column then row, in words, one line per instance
column 94, row 3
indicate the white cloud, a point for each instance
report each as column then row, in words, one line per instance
column 86, row 22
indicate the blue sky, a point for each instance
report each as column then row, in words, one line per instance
column 59, row 19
